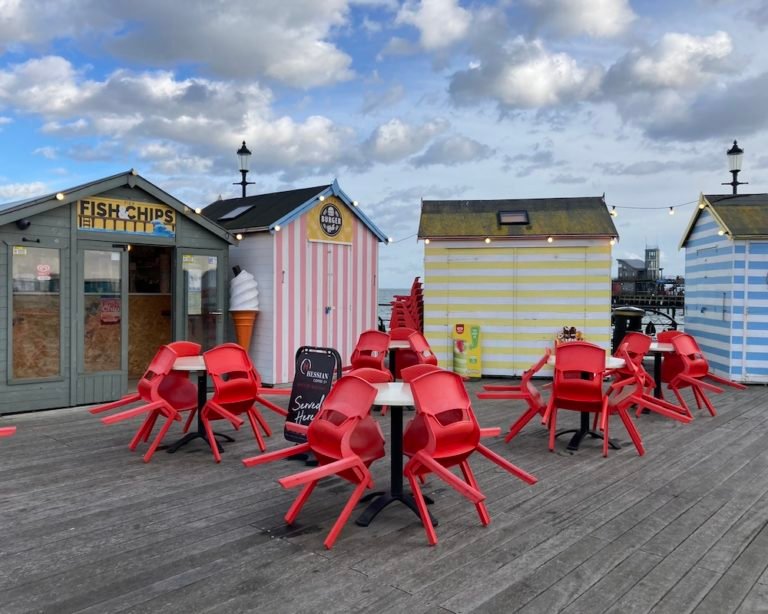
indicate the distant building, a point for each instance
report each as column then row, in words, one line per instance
column 726, row 268
column 639, row 276
column 523, row 269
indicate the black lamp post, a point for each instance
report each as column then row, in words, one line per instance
column 244, row 155
column 735, row 154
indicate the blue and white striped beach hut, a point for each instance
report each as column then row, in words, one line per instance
column 726, row 283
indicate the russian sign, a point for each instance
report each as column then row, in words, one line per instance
column 113, row 215
column 330, row 221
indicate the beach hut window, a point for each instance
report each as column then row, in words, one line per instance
column 507, row 218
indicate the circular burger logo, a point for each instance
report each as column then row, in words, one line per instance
column 330, row 220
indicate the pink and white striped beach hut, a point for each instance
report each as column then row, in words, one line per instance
column 315, row 256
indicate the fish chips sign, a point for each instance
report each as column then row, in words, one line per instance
column 113, row 215
column 330, row 221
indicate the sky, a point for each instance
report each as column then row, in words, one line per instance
column 398, row 100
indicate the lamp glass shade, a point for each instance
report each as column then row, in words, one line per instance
column 735, row 155
column 244, row 156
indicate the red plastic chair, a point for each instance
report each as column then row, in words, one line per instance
column 444, row 434
column 159, row 399
column 577, row 382
column 525, row 391
column 420, row 346
column 370, row 351
column 411, row 373
column 404, row 357
column 344, row 438
column 373, row 376
column 637, row 346
column 7, row 431
column 236, row 391
column 694, row 372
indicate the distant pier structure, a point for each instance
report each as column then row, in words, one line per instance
column 641, row 283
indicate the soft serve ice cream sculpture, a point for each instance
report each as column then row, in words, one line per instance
column 243, row 305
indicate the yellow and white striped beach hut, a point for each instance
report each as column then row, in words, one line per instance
column 520, row 268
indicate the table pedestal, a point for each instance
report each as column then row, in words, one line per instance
column 582, row 431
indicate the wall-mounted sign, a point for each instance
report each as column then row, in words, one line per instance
column 330, row 221
column 113, row 215
column 109, row 310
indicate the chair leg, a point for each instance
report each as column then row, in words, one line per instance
column 518, row 425
column 211, row 438
column 606, row 424
column 680, row 398
column 505, row 464
column 482, row 510
column 188, row 423
column 421, row 504
column 159, row 438
column 552, row 429
column 142, row 434
column 299, row 502
column 262, row 422
column 634, row 434
column 344, row 516
column 150, row 424
column 254, row 427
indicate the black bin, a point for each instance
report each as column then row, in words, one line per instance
column 625, row 319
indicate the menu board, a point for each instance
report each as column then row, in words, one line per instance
column 312, row 382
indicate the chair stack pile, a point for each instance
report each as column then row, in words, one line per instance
column 408, row 309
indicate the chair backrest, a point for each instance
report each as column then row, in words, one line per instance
column 159, row 368
column 636, row 346
column 370, row 350
column 579, row 370
column 693, row 361
column 408, row 374
column 622, row 391
column 185, row 348
column 401, row 333
column 233, row 376
column 666, row 336
column 420, row 345
column 344, row 425
column 372, row 376
column 445, row 426
column 526, row 385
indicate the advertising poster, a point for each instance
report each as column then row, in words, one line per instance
column 466, row 349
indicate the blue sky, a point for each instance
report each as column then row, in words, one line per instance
column 397, row 100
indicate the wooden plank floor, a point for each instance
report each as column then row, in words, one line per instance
column 86, row 526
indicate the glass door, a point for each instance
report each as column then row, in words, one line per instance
column 203, row 298
column 102, row 324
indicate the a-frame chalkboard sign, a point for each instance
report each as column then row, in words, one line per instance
column 315, row 368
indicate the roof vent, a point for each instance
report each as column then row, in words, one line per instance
column 509, row 218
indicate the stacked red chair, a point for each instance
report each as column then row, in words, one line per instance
column 373, row 376
column 237, row 390
column 370, row 351
column 159, row 398
column 525, row 391
column 694, row 373
column 344, row 438
column 408, row 309
column 671, row 363
column 444, row 434
column 404, row 357
column 411, row 373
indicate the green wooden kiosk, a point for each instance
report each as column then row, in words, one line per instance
column 96, row 277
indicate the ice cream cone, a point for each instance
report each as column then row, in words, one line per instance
column 243, row 319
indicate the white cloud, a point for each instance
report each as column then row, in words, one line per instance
column 19, row 191
column 526, row 75
column 453, row 150
column 397, row 139
column 677, row 61
column 596, row 18
column 441, row 23
column 49, row 153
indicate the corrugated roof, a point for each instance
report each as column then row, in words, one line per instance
column 560, row 217
column 635, row 263
column 742, row 216
column 262, row 212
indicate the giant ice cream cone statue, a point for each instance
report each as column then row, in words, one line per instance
column 243, row 305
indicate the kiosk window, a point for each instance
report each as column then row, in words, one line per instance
column 36, row 321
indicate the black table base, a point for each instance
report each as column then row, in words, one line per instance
column 396, row 493
column 583, row 431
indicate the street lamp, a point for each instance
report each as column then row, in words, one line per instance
column 244, row 156
column 735, row 154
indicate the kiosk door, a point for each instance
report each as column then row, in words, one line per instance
column 203, row 297
column 101, row 324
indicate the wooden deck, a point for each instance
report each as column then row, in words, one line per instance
column 86, row 526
